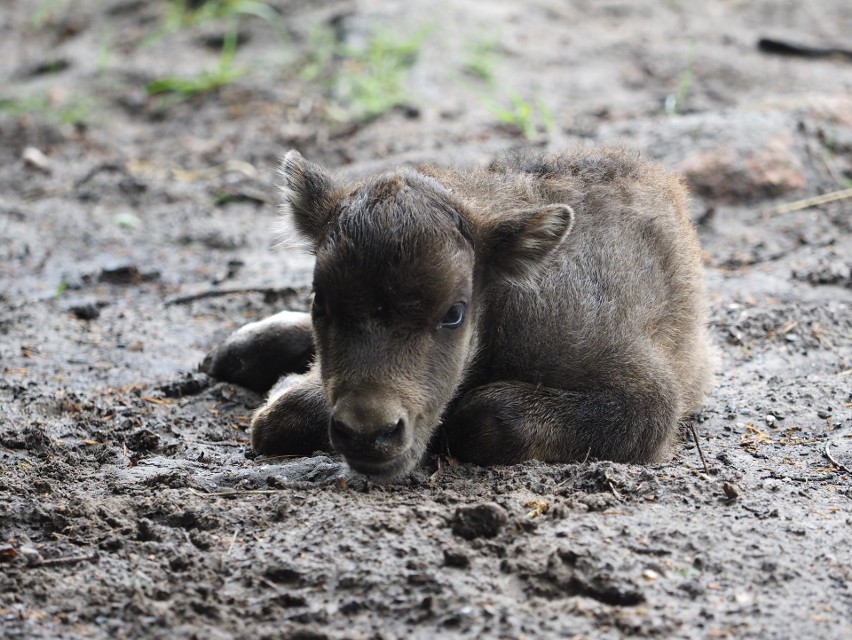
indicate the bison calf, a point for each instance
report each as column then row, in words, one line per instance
column 547, row 307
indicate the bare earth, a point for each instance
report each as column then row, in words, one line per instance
column 130, row 505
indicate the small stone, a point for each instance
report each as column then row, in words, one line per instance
column 822, row 413
column 126, row 220
column 766, row 166
column 456, row 558
column 31, row 555
column 35, row 159
column 143, row 440
column 692, row 587
column 190, row 384
column 479, row 521
column 86, row 311
column 769, row 419
column 731, row 490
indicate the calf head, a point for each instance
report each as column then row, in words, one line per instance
column 402, row 270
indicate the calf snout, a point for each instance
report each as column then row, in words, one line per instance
column 369, row 430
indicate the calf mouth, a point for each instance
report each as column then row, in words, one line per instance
column 386, row 470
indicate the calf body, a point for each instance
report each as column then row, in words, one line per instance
column 547, row 307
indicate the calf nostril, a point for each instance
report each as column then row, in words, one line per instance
column 391, row 433
column 392, row 429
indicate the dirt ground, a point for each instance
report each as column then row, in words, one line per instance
column 136, row 233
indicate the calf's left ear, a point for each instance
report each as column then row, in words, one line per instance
column 519, row 241
column 309, row 195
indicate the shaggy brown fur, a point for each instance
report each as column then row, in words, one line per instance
column 548, row 307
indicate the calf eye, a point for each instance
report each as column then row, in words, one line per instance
column 454, row 317
column 318, row 305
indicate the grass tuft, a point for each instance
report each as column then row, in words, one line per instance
column 206, row 81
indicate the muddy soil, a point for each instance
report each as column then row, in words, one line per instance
column 136, row 231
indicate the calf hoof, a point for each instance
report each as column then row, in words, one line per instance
column 258, row 354
column 294, row 421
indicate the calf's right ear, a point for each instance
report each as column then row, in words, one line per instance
column 309, row 195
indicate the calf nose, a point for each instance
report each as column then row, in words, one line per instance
column 367, row 429
column 375, row 437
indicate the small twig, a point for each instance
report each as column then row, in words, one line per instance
column 437, row 474
column 216, row 293
column 786, row 48
column 832, row 170
column 613, row 489
column 104, row 166
column 807, row 203
column 65, row 560
column 233, row 540
column 698, row 446
column 267, row 459
column 242, row 492
column 831, row 459
column 588, row 453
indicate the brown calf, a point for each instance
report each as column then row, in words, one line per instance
column 547, row 307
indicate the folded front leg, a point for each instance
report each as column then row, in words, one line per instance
column 294, row 419
column 509, row 422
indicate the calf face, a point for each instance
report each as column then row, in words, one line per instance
column 400, row 268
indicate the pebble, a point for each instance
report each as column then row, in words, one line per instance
column 456, row 558
column 86, row 310
column 822, row 413
column 36, row 159
column 769, row 419
column 731, row 490
column 479, row 521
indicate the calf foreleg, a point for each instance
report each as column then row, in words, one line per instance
column 294, row 419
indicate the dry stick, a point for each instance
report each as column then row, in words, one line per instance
column 222, row 443
column 243, row 492
column 832, row 171
column 833, row 461
column 233, row 540
column 215, row 293
column 267, row 459
column 825, row 198
column 66, row 560
column 698, row 446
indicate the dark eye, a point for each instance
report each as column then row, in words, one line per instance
column 318, row 308
column 454, row 317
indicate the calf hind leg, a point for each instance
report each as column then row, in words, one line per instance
column 258, row 354
column 509, row 422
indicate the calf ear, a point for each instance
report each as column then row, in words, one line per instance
column 519, row 241
column 309, row 195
